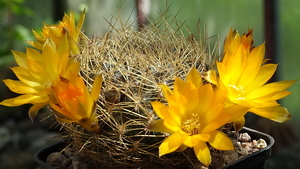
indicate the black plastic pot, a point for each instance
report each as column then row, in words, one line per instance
column 255, row 160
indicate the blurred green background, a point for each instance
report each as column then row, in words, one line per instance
column 18, row 17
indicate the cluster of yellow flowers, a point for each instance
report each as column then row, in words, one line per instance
column 48, row 76
column 195, row 111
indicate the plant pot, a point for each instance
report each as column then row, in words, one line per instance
column 255, row 160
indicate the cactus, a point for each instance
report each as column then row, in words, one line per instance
column 133, row 62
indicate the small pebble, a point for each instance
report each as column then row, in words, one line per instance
column 244, row 137
column 261, row 143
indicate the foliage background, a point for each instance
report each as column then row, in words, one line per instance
column 18, row 17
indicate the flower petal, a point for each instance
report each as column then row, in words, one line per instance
column 172, row 143
column 239, row 124
column 264, row 74
column 211, row 76
column 34, row 110
column 22, row 99
column 203, row 154
column 270, row 88
column 96, row 87
column 158, row 126
column 19, row 87
column 194, row 77
column 278, row 113
column 220, row 141
column 166, row 90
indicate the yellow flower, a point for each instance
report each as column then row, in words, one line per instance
column 57, row 32
column 242, row 74
column 36, row 73
column 74, row 103
column 193, row 115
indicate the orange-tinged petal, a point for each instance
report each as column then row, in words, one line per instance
column 278, row 113
column 203, row 154
column 220, row 141
column 65, row 113
column 170, row 144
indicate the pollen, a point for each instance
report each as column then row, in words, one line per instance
column 192, row 125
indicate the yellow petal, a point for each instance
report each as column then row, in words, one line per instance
column 206, row 98
column 235, row 112
column 25, row 76
column 166, row 90
column 20, row 100
column 239, row 124
column 172, row 143
column 223, row 73
column 159, row 109
column 20, row 58
column 194, row 77
column 252, row 65
column 181, row 148
column 270, row 88
column 64, row 112
column 190, row 141
column 34, row 110
column 96, row 87
column 19, row 87
column 211, row 76
column 158, row 126
column 264, row 74
column 202, row 137
column 220, row 141
column 79, row 24
column 278, row 113
column 203, row 154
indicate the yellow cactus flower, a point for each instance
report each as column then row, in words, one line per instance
column 194, row 113
column 57, row 32
column 242, row 74
column 74, row 103
column 36, row 73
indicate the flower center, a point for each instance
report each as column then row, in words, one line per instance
column 192, row 125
